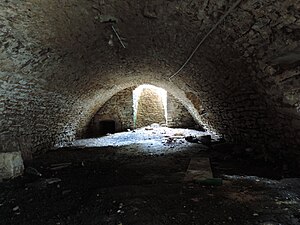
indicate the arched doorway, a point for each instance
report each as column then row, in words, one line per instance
column 149, row 105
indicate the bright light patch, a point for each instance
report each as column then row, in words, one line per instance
column 136, row 97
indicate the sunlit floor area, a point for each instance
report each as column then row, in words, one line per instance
column 148, row 140
column 139, row 177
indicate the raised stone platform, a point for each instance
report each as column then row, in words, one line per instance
column 199, row 169
column 11, row 165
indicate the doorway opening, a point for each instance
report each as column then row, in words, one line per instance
column 149, row 106
column 107, row 126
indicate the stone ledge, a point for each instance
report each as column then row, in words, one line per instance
column 11, row 165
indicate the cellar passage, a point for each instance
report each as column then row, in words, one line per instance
column 68, row 70
column 60, row 62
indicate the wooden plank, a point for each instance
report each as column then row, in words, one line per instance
column 199, row 169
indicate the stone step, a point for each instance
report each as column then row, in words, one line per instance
column 199, row 169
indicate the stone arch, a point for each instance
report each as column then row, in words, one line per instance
column 171, row 88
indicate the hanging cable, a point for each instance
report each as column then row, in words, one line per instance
column 118, row 36
column 204, row 38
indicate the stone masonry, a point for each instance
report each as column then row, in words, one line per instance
column 60, row 61
column 119, row 108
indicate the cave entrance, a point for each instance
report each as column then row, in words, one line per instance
column 149, row 105
column 107, row 126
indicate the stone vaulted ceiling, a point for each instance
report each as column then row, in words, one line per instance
column 60, row 60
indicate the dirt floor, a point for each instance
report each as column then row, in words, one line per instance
column 137, row 178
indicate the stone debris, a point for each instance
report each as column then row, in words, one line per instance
column 52, row 180
column 192, row 139
column 206, row 139
column 106, row 19
column 16, row 208
column 32, row 171
column 149, row 128
column 111, row 42
column 60, row 166
column 43, row 183
column 116, row 186
column 169, row 140
column 65, row 192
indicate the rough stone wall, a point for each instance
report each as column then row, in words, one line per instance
column 31, row 121
column 270, row 41
column 57, row 65
column 178, row 115
column 34, row 114
column 119, row 109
